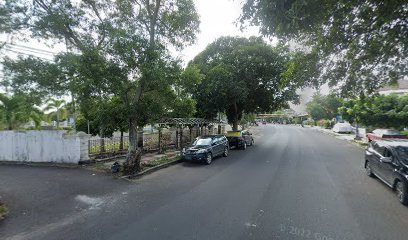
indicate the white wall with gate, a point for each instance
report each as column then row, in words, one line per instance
column 43, row 146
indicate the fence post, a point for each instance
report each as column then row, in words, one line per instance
column 84, row 146
column 102, row 145
column 160, row 140
column 177, row 138
column 191, row 132
column 181, row 136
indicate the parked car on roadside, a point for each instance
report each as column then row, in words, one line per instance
column 385, row 133
column 206, row 148
column 342, row 128
column 388, row 160
column 240, row 139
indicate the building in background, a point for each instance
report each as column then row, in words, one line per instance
column 401, row 88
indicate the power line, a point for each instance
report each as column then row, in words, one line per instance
column 31, row 48
column 11, row 50
column 30, row 51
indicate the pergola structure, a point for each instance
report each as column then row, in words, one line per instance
column 203, row 125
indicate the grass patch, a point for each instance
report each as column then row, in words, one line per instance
column 405, row 132
column 3, row 211
column 160, row 161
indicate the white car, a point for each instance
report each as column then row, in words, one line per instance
column 342, row 128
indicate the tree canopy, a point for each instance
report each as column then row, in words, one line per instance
column 323, row 106
column 243, row 75
column 18, row 109
column 361, row 45
column 384, row 111
column 115, row 49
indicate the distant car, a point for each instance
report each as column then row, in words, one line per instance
column 342, row 128
column 388, row 160
column 240, row 139
column 264, row 122
column 206, row 148
column 385, row 133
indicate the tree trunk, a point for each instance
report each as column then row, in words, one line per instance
column 160, row 140
column 235, row 122
column 121, row 141
column 58, row 118
column 134, row 155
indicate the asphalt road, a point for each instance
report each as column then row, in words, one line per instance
column 295, row 183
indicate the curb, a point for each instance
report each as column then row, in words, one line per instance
column 40, row 164
column 359, row 144
column 151, row 170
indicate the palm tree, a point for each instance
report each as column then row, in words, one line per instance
column 59, row 108
column 17, row 110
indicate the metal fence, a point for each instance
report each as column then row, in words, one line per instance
column 105, row 147
column 108, row 145
column 114, row 146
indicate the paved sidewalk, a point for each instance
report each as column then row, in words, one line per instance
column 348, row 137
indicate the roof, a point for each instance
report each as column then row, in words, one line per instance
column 402, row 85
column 189, row 122
column 393, row 142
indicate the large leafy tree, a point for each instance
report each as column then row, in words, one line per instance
column 244, row 75
column 377, row 111
column 360, row 45
column 323, row 106
column 18, row 109
column 119, row 48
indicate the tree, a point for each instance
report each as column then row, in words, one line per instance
column 390, row 111
column 323, row 107
column 18, row 109
column 361, row 45
column 119, row 49
column 244, row 75
column 58, row 107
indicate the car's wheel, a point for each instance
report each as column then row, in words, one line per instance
column 402, row 194
column 208, row 160
column 369, row 172
column 225, row 154
column 245, row 146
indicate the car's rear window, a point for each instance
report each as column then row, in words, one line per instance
column 391, row 132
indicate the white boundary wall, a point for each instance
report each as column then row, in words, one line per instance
column 43, row 146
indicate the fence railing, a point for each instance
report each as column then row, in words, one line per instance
column 113, row 146
column 108, row 145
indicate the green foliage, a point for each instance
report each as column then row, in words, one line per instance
column 243, row 75
column 323, row 107
column 383, row 111
column 248, row 118
column 19, row 109
column 118, row 55
column 360, row 45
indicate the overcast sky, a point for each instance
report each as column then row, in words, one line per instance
column 218, row 19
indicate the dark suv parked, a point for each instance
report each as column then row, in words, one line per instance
column 388, row 160
column 205, row 148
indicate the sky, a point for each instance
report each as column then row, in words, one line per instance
column 218, row 19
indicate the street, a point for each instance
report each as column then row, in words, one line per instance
column 295, row 183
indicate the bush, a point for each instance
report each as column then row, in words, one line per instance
column 3, row 211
